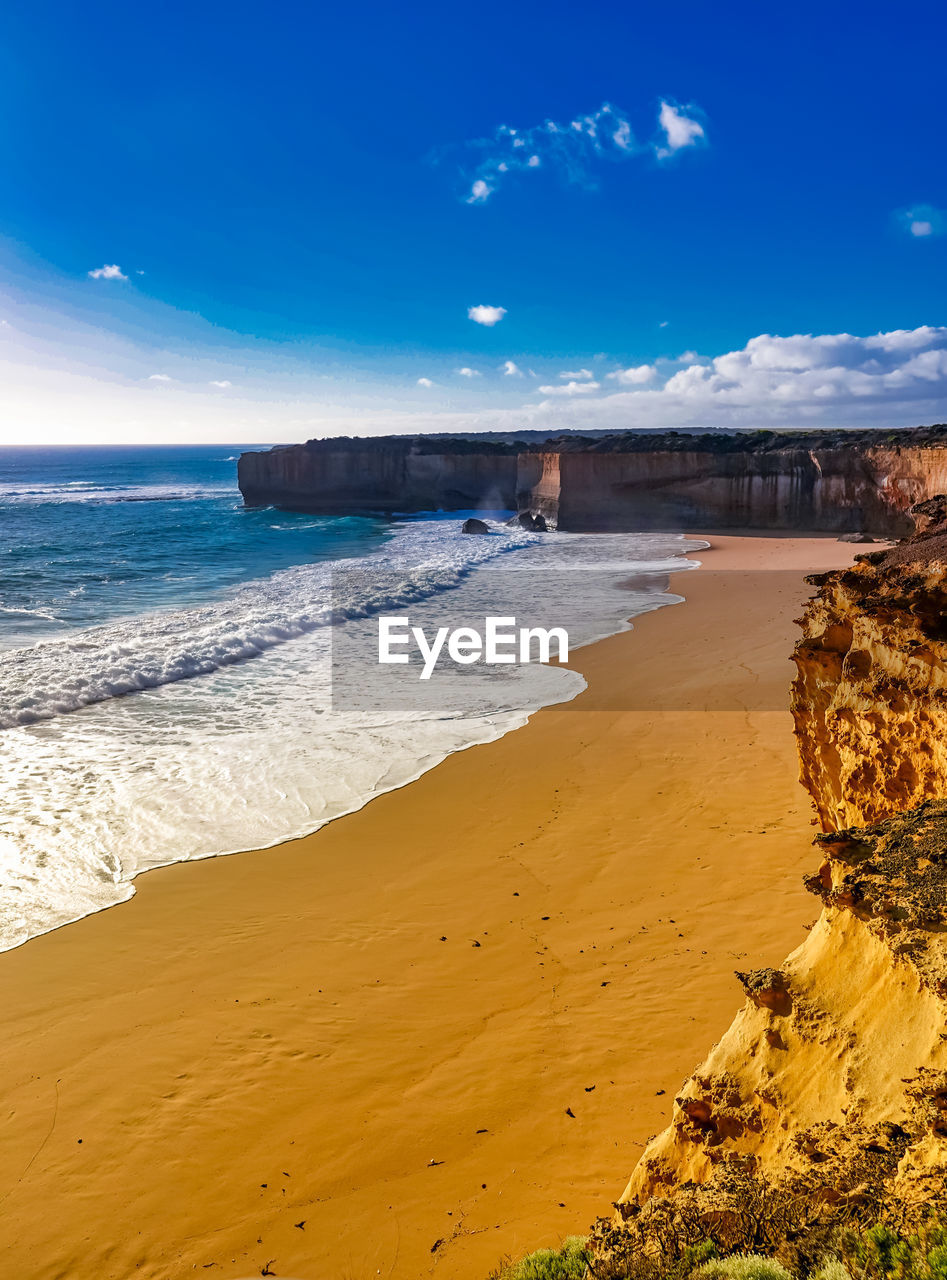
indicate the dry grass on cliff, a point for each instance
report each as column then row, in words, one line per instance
column 801, row 1232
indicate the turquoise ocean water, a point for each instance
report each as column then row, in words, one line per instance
column 165, row 677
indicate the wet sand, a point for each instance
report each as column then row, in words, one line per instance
column 440, row 1030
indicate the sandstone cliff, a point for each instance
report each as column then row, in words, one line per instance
column 837, row 481
column 828, row 1093
column 870, row 699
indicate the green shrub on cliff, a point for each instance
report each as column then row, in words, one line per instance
column 832, row 1269
column 743, row 1266
column 886, row 1254
column 568, row 1263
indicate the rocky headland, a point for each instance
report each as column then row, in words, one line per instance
column 837, row 481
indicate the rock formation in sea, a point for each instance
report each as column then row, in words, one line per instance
column 826, row 1099
column 838, row 481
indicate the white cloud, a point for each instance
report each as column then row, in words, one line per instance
column 663, row 324
column 223, row 383
column 922, row 221
column 466, row 372
column 158, row 377
column 634, row 376
column 486, row 315
column 680, row 130
column 425, row 382
column 573, row 150
column 510, row 369
column 570, row 389
column 577, row 373
column 114, row 272
column 889, row 379
column 480, row 192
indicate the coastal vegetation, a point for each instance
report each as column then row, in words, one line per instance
column 881, row 1251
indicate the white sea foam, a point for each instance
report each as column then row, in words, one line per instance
column 214, row 753
column 129, row 655
column 59, row 494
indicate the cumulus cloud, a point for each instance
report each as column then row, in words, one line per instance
column 223, row 383
column 922, row 221
column 573, row 149
column 467, row 372
column 114, row 272
column 634, row 376
column 680, row 130
column 580, row 374
column 799, row 380
column 510, row 369
column 486, row 315
column 425, row 382
column 570, row 388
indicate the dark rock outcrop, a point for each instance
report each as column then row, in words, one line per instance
column 474, row 526
column 526, row 520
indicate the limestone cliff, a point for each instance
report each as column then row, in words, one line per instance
column 838, row 481
column 381, row 476
column 828, row 1092
column 870, row 698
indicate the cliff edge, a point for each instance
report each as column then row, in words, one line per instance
column 826, row 1099
column 837, row 481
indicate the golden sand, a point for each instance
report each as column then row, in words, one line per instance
column 441, row 1029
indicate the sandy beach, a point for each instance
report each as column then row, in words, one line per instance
column 440, row 1030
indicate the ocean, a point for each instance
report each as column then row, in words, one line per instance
column 182, row 677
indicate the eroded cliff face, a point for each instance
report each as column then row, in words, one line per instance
column 839, row 482
column 834, row 488
column 870, row 697
column 844, row 1041
column 379, row 476
column 829, row 1090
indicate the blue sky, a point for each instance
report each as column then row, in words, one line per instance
column 288, row 192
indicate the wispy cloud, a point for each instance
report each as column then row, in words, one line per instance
column 637, row 375
column 510, row 369
column 467, row 372
column 114, row 272
column 922, row 221
column 158, row 377
column 577, row 373
column 570, row 388
column 486, row 315
column 425, row 382
column 680, row 129
column 572, row 149
column 223, row 383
